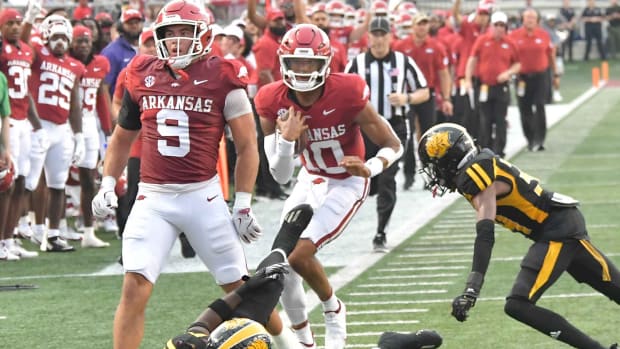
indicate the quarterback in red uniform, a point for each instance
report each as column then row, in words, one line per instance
column 180, row 101
column 55, row 78
column 325, row 114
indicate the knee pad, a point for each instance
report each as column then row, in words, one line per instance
column 295, row 222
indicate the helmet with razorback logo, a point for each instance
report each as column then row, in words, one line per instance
column 305, row 43
column 182, row 12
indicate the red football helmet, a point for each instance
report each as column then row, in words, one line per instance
column 335, row 10
column 6, row 178
column 407, row 7
column 349, row 16
column 379, row 8
column 182, row 12
column 404, row 22
column 303, row 46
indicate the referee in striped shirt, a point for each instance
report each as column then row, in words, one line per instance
column 395, row 82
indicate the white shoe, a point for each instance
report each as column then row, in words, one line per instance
column 36, row 237
column 93, row 241
column 15, row 247
column 23, row 231
column 68, row 233
column 6, row 255
column 109, row 225
column 557, row 97
column 336, row 327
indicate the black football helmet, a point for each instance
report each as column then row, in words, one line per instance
column 239, row 333
column 443, row 150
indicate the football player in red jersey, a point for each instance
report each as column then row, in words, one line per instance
column 15, row 62
column 56, row 93
column 95, row 102
column 325, row 114
column 180, row 102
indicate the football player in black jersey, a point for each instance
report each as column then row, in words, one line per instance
column 501, row 193
column 236, row 320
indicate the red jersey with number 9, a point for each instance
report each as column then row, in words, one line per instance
column 332, row 132
column 53, row 79
column 182, row 119
column 15, row 63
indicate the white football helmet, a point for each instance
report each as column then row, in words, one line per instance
column 56, row 24
column 182, row 12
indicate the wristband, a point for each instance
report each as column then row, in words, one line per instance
column 243, row 199
column 108, row 182
column 222, row 309
column 375, row 165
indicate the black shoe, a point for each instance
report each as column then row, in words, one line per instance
column 408, row 182
column 58, row 244
column 614, row 346
column 187, row 251
column 378, row 243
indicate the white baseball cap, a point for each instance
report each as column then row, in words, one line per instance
column 499, row 17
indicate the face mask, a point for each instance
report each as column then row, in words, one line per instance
column 54, row 43
column 277, row 31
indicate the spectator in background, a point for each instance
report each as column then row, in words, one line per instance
column 551, row 27
column 95, row 29
column 613, row 30
column 267, row 62
column 495, row 58
column 536, row 54
column 568, row 20
column 82, row 10
column 120, row 51
column 106, row 23
column 593, row 17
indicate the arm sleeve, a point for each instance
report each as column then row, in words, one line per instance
column 279, row 154
column 129, row 115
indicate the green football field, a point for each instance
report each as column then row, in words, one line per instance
column 408, row 289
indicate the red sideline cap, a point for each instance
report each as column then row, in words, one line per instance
column 80, row 30
column 103, row 17
column 130, row 14
column 9, row 14
column 274, row 14
column 146, row 35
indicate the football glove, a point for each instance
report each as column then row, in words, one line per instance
column 106, row 200
column 464, row 302
column 246, row 224
column 33, row 9
column 188, row 340
column 261, row 278
column 79, row 150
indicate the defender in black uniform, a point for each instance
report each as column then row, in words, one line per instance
column 236, row 320
column 503, row 194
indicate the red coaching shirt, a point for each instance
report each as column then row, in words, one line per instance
column 469, row 32
column 534, row 49
column 430, row 57
column 494, row 57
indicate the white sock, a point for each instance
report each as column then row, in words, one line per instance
column 39, row 228
column 331, row 304
column 23, row 221
column 63, row 224
column 53, row 233
column 89, row 232
column 294, row 298
column 304, row 334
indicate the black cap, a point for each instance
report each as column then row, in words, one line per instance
column 380, row 23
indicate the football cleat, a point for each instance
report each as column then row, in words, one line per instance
column 378, row 243
column 58, row 244
column 15, row 247
column 6, row 255
column 68, row 233
column 423, row 339
column 93, row 242
column 336, row 327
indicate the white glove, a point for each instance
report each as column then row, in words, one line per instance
column 34, row 9
column 243, row 219
column 105, row 201
column 79, row 150
column 40, row 141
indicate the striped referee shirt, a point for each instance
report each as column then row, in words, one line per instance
column 395, row 72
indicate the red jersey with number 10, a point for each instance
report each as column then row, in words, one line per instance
column 332, row 132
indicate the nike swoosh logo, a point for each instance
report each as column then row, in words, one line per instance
column 211, row 198
column 327, row 112
column 198, row 82
column 126, row 59
column 96, row 69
